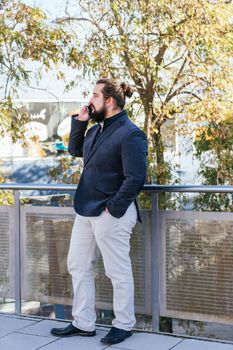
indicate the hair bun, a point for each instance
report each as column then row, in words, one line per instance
column 127, row 89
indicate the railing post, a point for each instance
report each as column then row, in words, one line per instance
column 156, row 248
column 17, row 252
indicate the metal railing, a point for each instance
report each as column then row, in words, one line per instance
column 156, row 236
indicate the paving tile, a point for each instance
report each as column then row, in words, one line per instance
column 147, row 341
column 76, row 342
column 193, row 344
column 33, row 334
column 43, row 328
column 17, row 341
column 12, row 324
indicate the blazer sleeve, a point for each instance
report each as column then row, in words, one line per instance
column 134, row 152
column 77, row 136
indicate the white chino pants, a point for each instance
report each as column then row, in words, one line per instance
column 109, row 236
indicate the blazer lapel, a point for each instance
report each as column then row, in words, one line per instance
column 113, row 127
column 89, row 144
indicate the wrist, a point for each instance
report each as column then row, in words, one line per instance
column 80, row 119
column 75, row 116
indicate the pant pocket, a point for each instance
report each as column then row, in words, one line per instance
column 134, row 214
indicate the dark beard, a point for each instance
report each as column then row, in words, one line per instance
column 97, row 116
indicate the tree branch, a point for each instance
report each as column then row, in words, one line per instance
column 159, row 57
column 69, row 19
column 174, row 61
column 178, row 91
column 41, row 89
column 175, row 80
column 133, row 73
column 190, row 93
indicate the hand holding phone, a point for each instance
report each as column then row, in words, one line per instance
column 82, row 114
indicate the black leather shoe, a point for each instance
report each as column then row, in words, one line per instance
column 115, row 336
column 70, row 331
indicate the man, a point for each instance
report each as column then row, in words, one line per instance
column 114, row 153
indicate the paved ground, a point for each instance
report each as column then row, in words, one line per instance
column 25, row 333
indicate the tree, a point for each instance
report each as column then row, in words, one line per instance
column 25, row 35
column 176, row 53
column 214, row 148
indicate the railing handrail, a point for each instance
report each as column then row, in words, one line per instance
column 146, row 188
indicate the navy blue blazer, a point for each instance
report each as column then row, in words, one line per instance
column 114, row 166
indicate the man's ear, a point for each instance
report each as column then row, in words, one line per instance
column 110, row 102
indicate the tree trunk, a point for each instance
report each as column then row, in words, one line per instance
column 161, row 168
column 156, row 147
column 148, row 119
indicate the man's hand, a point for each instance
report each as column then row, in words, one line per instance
column 82, row 114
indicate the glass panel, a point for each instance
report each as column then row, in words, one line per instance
column 7, row 303
column 197, row 276
column 45, row 241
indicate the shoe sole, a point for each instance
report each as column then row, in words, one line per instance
column 73, row 335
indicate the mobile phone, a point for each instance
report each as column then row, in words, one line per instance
column 89, row 109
